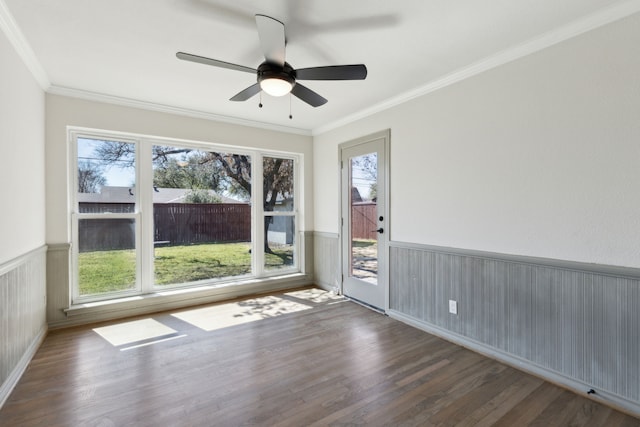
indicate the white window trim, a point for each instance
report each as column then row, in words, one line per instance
column 144, row 220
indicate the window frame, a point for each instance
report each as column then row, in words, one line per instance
column 293, row 213
column 143, row 212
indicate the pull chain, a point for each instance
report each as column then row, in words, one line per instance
column 290, row 115
column 260, row 104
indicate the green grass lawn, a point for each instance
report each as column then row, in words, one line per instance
column 182, row 264
column 109, row 271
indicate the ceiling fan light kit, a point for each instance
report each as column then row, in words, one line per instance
column 275, row 76
column 275, row 80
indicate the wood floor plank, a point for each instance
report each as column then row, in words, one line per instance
column 333, row 363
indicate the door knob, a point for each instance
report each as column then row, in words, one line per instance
column 379, row 230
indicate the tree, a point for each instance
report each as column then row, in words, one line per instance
column 192, row 172
column 202, row 196
column 277, row 183
column 90, row 177
column 367, row 167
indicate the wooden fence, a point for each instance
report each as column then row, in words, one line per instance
column 364, row 220
column 184, row 223
column 174, row 224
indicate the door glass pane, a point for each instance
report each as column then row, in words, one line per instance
column 107, row 256
column 363, row 206
column 201, row 215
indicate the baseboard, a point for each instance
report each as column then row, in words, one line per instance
column 578, row 387
column 12, row 380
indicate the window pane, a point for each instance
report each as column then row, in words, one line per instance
column 106, row 176
column 279, row 231
column 280, row 239
column 278, row 184
column 201, row 213
column 364, row 217
column 107, row 256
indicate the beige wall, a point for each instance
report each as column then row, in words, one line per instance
column 22, row 216
column 538, row 157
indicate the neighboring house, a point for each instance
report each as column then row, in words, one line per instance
column 282, row 228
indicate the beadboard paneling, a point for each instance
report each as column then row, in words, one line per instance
column 22, row 315
column 58, row 281
column 326, row 264
column 576, row 321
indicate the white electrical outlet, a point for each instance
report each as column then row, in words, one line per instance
column 453, row 306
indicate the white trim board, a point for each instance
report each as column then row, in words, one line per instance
column 161, row 108
column 10, row 28
column 9, row 265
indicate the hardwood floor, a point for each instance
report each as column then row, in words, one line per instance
column 294, row 359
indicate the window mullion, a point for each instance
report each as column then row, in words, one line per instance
column 145, row 209
column 257, row 213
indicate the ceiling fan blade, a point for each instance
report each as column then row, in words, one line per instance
column 246, row 93
column 272, row 39
column 208, row 61
column 333, row 72
column 307, row 95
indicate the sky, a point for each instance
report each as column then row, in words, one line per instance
column 116, row 177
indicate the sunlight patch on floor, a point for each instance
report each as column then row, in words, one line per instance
column 314, row 295
column 133, row 332
column 236, row 313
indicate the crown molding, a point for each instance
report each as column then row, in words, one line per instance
column 605, row 16
column 10, row 28
column 133, row 103
column 566, row 32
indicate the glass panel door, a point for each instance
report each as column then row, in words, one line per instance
column 364, row 236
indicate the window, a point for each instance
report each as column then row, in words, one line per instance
column 279, row 213
column 201, row 215
column 152, row 215
column 106, row 222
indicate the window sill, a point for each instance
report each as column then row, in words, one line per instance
column 91, row 312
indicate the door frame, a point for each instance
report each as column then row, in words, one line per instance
column 383, row 250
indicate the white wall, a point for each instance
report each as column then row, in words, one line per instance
column 64, row 111
column 538, row 157
column 22, row 189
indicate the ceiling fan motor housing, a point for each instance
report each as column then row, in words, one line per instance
column 267, row 70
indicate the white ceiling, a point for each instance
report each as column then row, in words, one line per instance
column 125, row 50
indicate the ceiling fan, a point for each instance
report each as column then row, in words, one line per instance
column 275, row 76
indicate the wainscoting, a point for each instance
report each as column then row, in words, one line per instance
column 575, row 324
column 326, row 267
column 23, row 323
column 58, row 279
